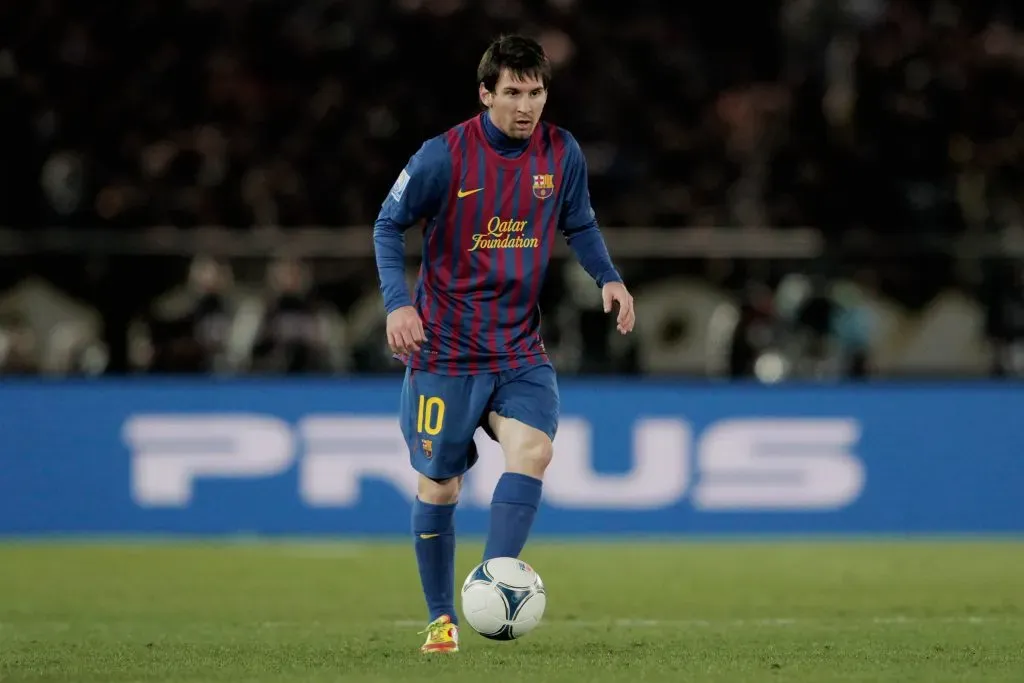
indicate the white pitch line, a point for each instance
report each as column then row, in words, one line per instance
column 771, row 622
column 324, row 552
column 776, row 622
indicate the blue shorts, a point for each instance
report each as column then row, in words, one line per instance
column 440, row 413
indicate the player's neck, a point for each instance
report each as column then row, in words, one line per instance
column 498, row 139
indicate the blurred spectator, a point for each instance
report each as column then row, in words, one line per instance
column 826, row 327
column 17, row 348
column 291, row 337
column 754, row 333
column 1005, row 318
column 196, row 337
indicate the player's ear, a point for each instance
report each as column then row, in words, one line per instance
column 486, row 96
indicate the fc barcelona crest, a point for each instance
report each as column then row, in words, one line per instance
column 543, row 185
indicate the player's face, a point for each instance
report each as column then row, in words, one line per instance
column 516, row 104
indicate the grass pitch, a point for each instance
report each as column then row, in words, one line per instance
column 812, row 612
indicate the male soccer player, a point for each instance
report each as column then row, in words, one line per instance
column 493, row 191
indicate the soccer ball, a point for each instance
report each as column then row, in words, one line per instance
column 503, row 599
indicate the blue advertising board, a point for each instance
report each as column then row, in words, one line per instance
column 325, row 456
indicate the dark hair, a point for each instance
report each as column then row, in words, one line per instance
column 523, row 56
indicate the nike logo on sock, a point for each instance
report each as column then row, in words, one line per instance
column 428, row 536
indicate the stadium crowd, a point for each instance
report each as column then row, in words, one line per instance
column 880, row 122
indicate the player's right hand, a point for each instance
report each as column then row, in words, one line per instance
column 405, row 330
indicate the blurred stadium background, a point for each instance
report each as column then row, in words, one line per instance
column 188, row 186
column 818, row 205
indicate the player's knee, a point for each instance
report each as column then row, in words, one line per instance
column 439, row 492
column 527, row 449
column 531, row 455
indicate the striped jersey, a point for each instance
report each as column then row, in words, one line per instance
column 492, row 206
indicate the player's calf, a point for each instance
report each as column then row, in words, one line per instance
column 433, row 528
column 518, row 492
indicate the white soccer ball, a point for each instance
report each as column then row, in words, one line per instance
column 503, row 599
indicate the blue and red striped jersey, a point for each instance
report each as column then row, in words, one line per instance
column 492, row 206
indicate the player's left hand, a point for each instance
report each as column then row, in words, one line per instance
column 617, row 292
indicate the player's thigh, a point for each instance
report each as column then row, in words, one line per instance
column 530, row 396
column 439, row 415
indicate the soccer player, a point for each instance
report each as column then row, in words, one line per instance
column 493, row 191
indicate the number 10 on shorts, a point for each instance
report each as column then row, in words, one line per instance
column 430, row 417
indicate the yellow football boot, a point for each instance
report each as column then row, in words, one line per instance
column 442, row 636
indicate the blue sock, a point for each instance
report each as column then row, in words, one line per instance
column 513, row 507
column 435, row 555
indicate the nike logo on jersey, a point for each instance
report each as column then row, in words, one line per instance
column 466, row 193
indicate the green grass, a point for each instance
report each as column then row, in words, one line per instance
column 810, row 612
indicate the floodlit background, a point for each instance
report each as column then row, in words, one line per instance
column 804, row 465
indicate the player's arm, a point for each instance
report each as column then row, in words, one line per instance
column 579, row 225
column 416, row 194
